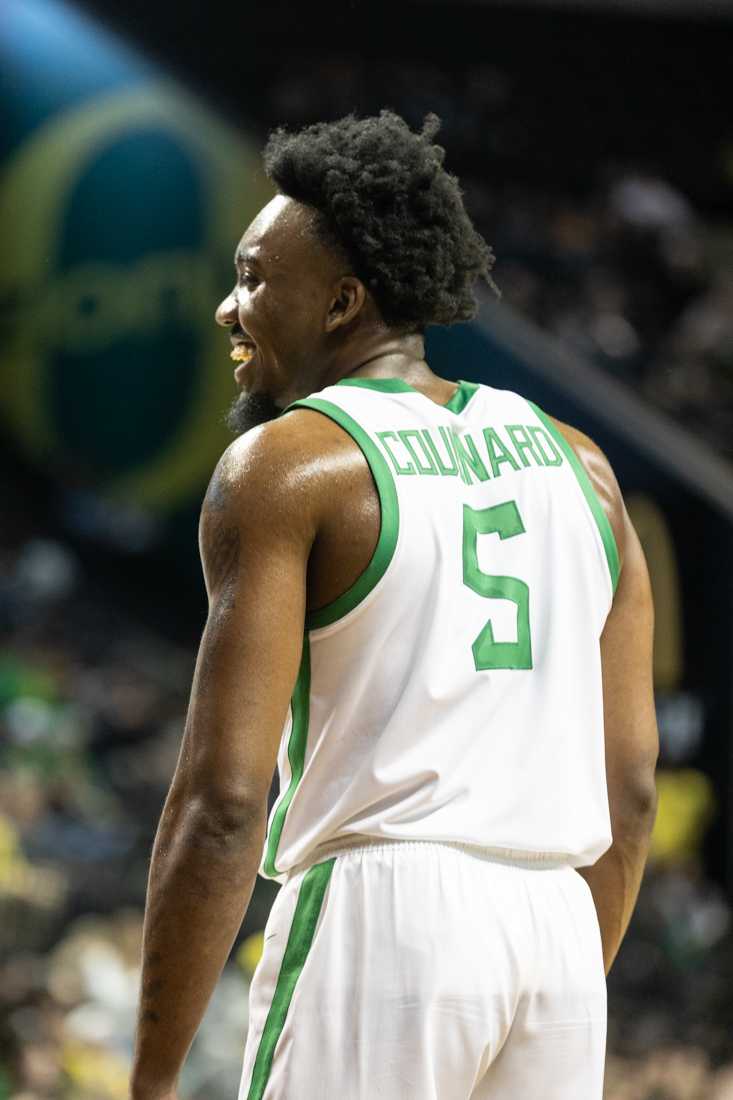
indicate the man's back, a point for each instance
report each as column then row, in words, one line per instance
column 442, row 763
column 455, row 694
column 453, row 691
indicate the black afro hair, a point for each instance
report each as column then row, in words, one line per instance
column 381, row 193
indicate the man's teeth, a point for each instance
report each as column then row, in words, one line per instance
column 242, row 354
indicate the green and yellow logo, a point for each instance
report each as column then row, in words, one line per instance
column 119, row 221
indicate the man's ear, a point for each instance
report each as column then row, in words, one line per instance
column 347, row 302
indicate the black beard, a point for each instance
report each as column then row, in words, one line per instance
column 248, row 410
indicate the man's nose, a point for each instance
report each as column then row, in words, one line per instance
column 226, row 311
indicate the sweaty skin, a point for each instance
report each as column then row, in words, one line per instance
column 290, row 520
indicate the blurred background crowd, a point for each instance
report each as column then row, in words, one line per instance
column 596, row 153
column 616, row 259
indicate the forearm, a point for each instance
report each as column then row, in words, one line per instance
column 615, row 879
column 201, row 878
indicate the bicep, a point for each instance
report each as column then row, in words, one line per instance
column 255, row 565
column 245, row 674
column 632, row 741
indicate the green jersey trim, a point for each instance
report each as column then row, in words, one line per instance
column 300, row 708
column 390, row 515
column 302, row 931
column 457, row 403
column 609, row 541
column 462, row 396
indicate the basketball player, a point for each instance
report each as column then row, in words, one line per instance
column 428, row 605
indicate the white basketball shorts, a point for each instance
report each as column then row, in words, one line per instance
column 425, row 971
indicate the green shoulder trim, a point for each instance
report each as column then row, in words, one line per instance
column 390, row 520
column 300, row 708
column 462, row 396
column 302, row 930
column 609, row 541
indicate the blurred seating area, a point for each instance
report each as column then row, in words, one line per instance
column 632, row 279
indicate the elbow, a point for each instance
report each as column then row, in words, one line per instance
column 225, row 817
column 635, row 800
column 647, row 801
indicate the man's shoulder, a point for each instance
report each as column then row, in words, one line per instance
column 290, row 444
column 279, row 467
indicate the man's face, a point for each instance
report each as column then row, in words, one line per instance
column 277, row 311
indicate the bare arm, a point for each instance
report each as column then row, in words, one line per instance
column 632, row 741
column 632, row 746
column 255, row 537
column 631, row 738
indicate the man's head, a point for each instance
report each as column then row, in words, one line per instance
column 368, row 239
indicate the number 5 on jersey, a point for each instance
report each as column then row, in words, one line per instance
column 505, row 521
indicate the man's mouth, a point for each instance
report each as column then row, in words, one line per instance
column 243, row 348
column 243, row 353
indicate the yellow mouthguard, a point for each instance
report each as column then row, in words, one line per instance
column 242, row 353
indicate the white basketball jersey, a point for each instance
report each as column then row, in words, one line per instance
column 454, row 692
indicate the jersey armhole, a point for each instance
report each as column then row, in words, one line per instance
column 602, row 521
column 389, row 519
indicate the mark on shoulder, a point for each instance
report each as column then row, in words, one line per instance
column 274, row 483
column 219, row 533
column 263, row 488
column 602, row 478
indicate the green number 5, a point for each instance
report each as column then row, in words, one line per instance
column 505, row 521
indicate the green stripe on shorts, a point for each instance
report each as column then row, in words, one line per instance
column 302, row 930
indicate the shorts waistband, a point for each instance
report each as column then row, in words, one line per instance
column 537, row 861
